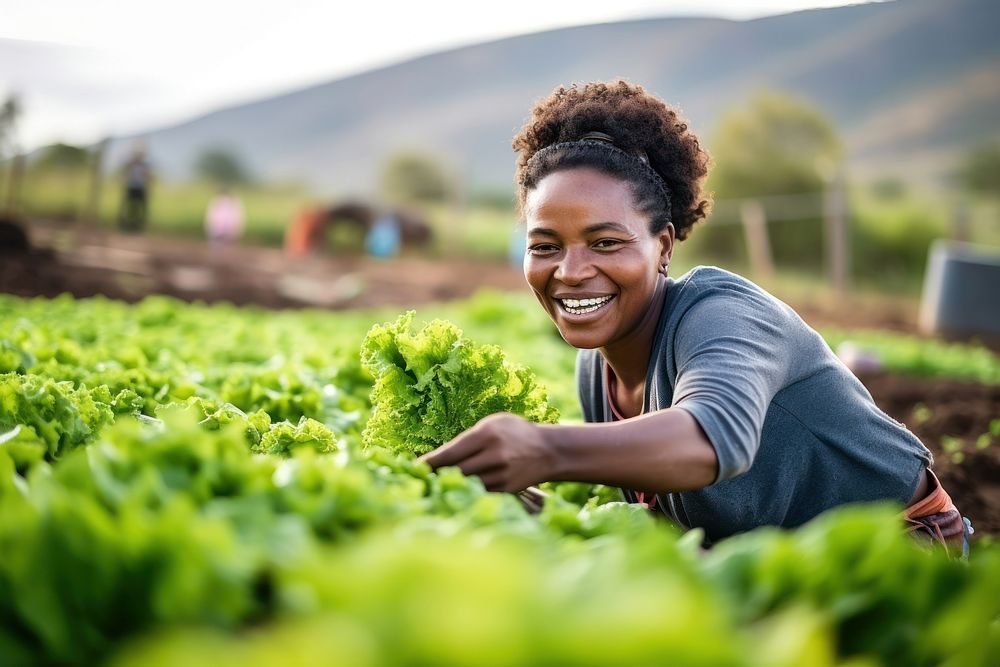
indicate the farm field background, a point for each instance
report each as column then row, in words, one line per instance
column 214, row 386
column 186, row 484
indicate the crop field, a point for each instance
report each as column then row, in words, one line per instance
column 184, row 484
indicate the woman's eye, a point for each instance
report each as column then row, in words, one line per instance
column 542, row 249
column 607, row 244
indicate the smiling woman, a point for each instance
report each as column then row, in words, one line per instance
column 591, row 261
column 706, row 398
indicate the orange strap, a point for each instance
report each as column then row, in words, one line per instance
column 936, row 516
column 936, row 501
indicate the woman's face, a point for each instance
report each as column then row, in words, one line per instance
column 591, row 261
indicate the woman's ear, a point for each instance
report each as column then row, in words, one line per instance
column 666, row 238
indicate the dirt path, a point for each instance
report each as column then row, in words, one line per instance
column 129, row 267
column 88, row 262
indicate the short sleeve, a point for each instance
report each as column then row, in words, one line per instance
column 731, row 358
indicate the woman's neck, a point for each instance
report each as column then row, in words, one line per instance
column 629, row 357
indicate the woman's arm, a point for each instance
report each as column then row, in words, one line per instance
column 663, row 451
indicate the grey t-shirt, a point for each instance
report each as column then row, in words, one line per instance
column 794, row 430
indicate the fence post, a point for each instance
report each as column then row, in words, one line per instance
column 960, row 221
column 758, row 244
column 837, row 242
column 15, row 178
column 92, row 212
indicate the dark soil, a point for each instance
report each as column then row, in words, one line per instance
column 85, row 262
column 953, row 420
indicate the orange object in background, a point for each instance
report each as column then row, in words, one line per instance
column 305, row 231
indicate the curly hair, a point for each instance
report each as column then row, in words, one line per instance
column 638, row 124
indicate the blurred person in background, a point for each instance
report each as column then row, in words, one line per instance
column 224, row 219
column 706, row 398
column 137, row 175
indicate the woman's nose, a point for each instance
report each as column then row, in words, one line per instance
column 574, row 267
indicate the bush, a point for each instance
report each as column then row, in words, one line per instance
column 889, row 244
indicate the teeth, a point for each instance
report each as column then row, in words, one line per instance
column 581, row 306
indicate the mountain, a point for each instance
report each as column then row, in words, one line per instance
column 910, row 84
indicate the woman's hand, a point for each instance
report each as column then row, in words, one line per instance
column 507, row 452
column 663, row 451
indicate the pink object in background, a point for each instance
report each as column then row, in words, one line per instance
column 224, row 218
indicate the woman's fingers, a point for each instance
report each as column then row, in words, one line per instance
column 495, row 480
column 496, row 449
column 481, row 463
column 462, row 447
column 531, row 502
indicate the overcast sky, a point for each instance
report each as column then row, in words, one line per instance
column 89, row 68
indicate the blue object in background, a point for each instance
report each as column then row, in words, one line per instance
column 383, row 238
column 518, row 245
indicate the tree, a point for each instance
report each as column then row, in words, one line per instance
column 222, row 166
column 10, row 111
column 62, row 157
column 979, row 171
column 777, row 145
column 412, row 176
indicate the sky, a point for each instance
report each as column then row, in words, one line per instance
column 88, row 69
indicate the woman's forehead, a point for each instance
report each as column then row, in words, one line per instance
column 583, row 196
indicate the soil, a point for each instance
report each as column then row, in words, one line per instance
column 953, row 420
column 86, row 262
column 944, row 414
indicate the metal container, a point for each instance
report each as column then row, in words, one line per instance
column 961, row 294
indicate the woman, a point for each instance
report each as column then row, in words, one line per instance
column 706, row 398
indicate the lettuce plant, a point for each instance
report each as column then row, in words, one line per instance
column 431, row 384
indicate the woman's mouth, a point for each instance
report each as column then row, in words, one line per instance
column 584, row 306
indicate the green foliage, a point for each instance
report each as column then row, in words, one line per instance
column 432, row 384
column 851, row 565
column 64, row 171
column 222, row 166
column 496, row 199
column 285, row 438
column 184, row 484
column 412, row 176
column 979, row 171
column 889, row 242
column 580, row 493
column 181, row 535
column 888, row 189
column 911, row 355
column 55, row 414
column 62, row 157
column 778, row 145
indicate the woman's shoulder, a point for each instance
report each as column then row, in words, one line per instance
column 712, row 282
column 708, row 300
column 707, row 277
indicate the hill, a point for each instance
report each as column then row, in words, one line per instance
column 910, row 84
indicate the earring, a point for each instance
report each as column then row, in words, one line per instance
column 664, row 267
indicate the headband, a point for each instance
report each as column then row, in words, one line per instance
column 609, row 142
